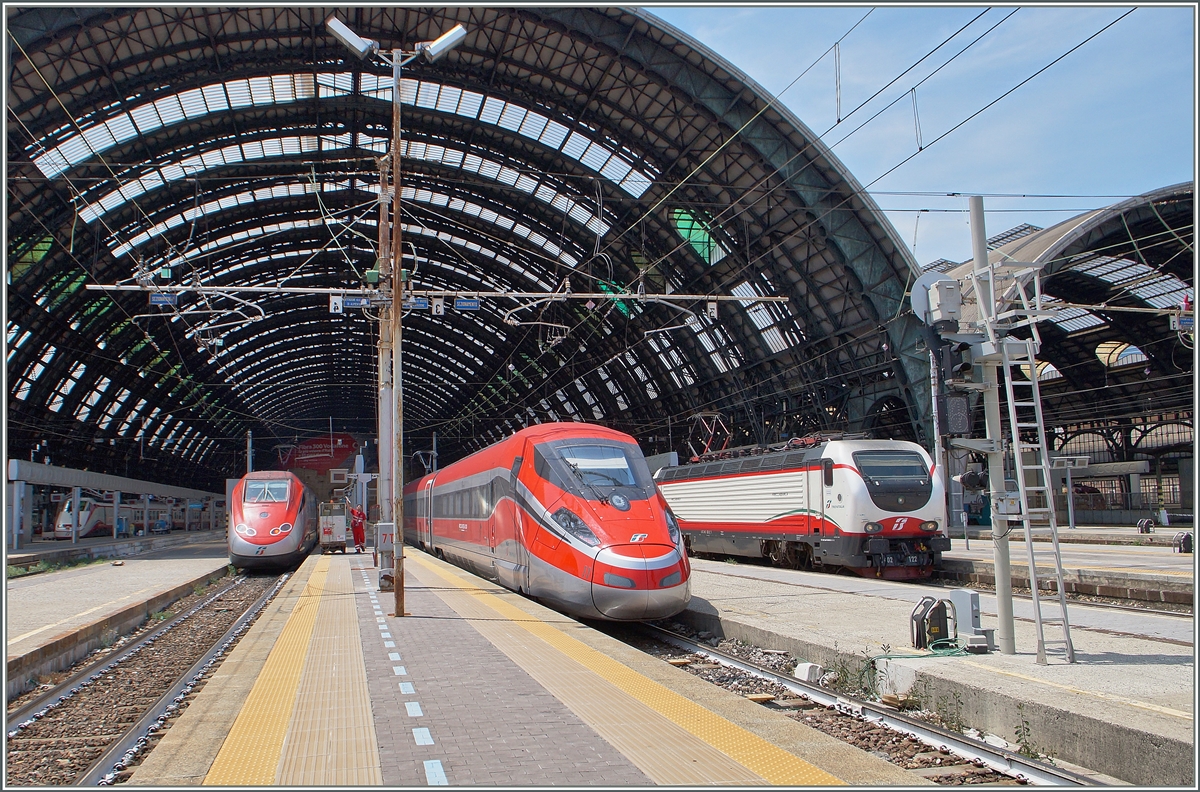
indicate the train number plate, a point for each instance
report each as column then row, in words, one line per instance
column 912, row 560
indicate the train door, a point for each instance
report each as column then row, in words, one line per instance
column 425, row 523
column 813, row 504
column 825, row 494
column 521, row 532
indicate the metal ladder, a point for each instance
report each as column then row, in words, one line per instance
column 1019, row 354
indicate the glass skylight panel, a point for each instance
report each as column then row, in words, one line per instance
column 287, row 88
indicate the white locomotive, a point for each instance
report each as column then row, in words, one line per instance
column 873, row 507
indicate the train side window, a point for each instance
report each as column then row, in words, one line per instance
column 752, row 464
column 827, row 471
column 772, row 462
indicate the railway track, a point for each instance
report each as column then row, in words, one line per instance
column 943, row 756
column 88, row 729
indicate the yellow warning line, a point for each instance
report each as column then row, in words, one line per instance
column 1093, row 693
column 769, row 761
column 250, row 754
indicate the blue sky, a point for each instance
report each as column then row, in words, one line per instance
column 1113, row 119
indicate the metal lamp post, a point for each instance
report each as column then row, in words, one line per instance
column 391, row 406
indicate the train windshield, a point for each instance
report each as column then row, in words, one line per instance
column 266, row 492
column 890, row 464
column 590, row 468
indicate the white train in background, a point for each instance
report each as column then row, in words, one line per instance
column 872, row 507
column 96, row 517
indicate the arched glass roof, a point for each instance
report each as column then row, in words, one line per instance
column 598, row 150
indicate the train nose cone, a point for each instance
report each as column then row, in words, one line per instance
column 636, row 582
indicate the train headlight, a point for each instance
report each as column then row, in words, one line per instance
column 573, row 525
column 673, row 527
column 929, row 525
column 245, row 530
column 873, row 527
column 285, row 528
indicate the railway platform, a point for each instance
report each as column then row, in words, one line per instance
column 56, row 618
column 474, row 685
column 1125, row 709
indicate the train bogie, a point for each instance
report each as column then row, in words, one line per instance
column 872, row 507
column 273, row 521
column 565, row 513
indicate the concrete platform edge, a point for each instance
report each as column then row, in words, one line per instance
column 69, row 647
column 116, row 548
column 1151, row 588
column 1108, row 748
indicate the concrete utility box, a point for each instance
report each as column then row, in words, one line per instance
column 966, row 613
column 385, row 536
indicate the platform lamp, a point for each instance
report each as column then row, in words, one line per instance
column 391, row 278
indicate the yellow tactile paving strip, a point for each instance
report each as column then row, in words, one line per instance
column 250, row 754
column 331, row 740
column 669, row 737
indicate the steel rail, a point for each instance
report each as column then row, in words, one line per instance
column 998, row 759
column 120, row 752
column 65, row 689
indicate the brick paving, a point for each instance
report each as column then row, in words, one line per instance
column 489, row 721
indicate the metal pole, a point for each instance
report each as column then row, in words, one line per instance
column 249, row 451
column 1070, row 500
column 435, row 452
column 397, row 488
column 1006, row 628
column 116, row 511
column 383, row 485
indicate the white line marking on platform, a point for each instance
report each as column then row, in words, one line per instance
column 414, row 709
column 407, row 688
column 422, row 736
column 399, row 671
column 388, row 644
column 393, row 655
column 1094, row 693
column 434, row 774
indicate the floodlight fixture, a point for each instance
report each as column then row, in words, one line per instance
column 363, row 48
column 432, row 50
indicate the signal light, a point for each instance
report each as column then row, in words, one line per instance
column 972, row 480
column 956, row 361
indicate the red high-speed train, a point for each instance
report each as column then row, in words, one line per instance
column 567, row 513
column 273, row 521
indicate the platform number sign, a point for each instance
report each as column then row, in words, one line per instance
column 712, row 309
column 438, row 306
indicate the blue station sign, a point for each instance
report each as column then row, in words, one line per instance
column 466, row 303
column 164, row 298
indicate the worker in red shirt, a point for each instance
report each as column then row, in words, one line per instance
column 357, row 518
